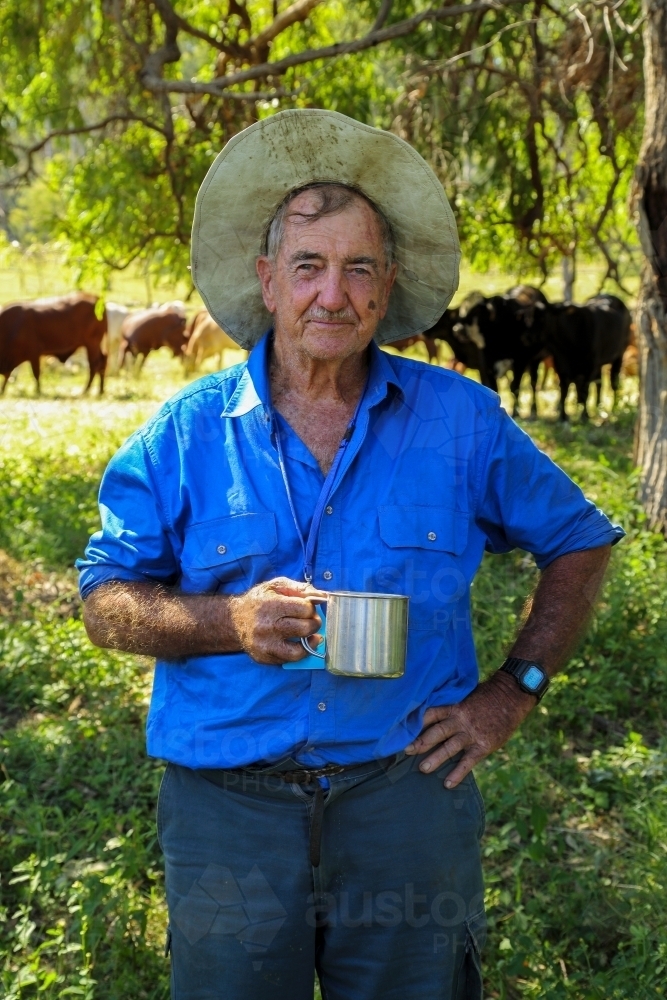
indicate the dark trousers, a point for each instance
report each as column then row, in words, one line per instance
column 394, row 911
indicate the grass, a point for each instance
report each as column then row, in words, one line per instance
column 576, row 842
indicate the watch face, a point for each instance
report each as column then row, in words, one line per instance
column 532, row 678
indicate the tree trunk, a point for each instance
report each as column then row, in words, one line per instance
column 569, row 277
column 650, row 201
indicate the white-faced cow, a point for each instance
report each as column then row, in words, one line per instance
column 116, row 315
column 466, row 353
column 57, row 327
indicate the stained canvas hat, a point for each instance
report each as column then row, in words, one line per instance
column 250, row 178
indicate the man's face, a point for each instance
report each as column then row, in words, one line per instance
column 329, row 286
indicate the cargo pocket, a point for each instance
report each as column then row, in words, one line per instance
column 469, row 981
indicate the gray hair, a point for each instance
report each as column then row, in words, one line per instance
column 333, row 199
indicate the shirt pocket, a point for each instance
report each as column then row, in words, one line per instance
column 228, row 550
column 422, row 550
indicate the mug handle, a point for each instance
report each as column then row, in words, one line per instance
column 313, row 652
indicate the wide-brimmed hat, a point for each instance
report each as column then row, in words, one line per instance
column 249, row 180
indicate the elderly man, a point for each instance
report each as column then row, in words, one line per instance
column 312, row 821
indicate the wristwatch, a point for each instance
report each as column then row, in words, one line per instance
column 530, row 677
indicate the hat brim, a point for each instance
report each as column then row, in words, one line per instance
column 256, row 170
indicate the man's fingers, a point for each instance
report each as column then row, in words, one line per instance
column 437, row 714
column 297, row 628
column 434, row 734
column 292, row 607
column 444, row 752
column 290, row 652
column 279, row 651
column 464, row 766
column 293, row 588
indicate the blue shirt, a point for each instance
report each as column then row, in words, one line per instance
column 434, row 474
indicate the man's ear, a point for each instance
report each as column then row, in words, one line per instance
column 389, row 284
column 265, row 274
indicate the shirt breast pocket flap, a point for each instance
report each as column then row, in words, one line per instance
column 228, row 539
column 440, row 529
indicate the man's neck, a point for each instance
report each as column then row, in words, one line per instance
column 317, row 398
column 294, row 373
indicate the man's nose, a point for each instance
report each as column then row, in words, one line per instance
column 332, row 290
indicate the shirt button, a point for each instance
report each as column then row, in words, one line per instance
column 329, row 509
column 327, row 574
column 221, row 550
column 431, row 536
column 322, row 706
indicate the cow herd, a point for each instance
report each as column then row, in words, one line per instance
column 108, row 332
column 514, row 332
column 518, row 330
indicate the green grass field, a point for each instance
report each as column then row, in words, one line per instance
column 576, row 842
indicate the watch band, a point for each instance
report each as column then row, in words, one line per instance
column 519, row 668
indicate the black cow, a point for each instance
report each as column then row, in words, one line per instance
column 509, row 332
column 584, row 338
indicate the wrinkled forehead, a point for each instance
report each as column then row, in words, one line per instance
column 354, row 221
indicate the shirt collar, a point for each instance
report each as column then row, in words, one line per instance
column 253, row 387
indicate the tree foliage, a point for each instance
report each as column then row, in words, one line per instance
column 533, row 118
column 528, row 111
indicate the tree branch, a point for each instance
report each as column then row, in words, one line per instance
column 219, row 86
column 59, row 133
column 383, row 14
column 175, row 22
column 297, row 11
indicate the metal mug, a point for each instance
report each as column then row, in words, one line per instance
column 366, row 634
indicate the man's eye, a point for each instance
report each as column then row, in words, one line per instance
column 360, row 270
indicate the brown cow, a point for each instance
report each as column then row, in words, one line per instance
column 419, row 338
column 205, row 340
column 150, row 329
column 57, row 327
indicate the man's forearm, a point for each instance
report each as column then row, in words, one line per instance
column 561, row 607
column 150, row 619
column 557, row 616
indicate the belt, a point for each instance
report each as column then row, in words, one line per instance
column 308, row 777
column 301, row 776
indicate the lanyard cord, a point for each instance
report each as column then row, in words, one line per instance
column 308, row 546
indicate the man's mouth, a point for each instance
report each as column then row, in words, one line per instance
column 324, row 318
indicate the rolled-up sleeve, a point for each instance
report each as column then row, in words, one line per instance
column 133, row 543
column 526, row 501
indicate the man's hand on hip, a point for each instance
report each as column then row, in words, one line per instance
column 480, row 724
column 266, row 617
column 556, row 616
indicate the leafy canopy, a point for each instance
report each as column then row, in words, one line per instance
column 528, row 112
